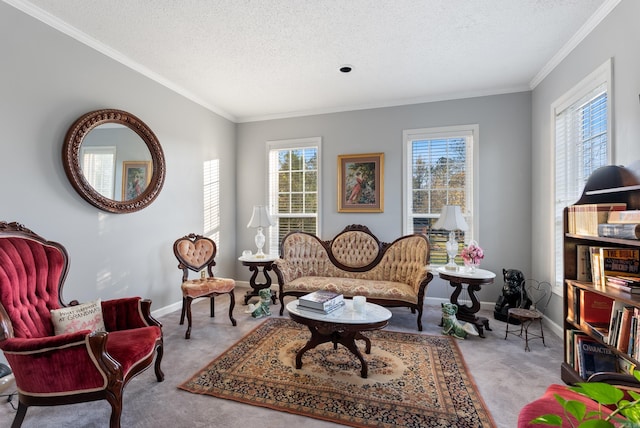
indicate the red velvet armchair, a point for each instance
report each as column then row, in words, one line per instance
column 68, row 367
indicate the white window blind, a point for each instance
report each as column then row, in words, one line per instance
column 294, row 178
column 581, row 135
column 98, row 167
column 439, row 171
column 211, row 199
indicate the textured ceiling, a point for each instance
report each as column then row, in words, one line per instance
column 258, row 59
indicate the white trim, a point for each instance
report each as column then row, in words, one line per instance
column 601, row 75
column 577, row 38
column 84, row 38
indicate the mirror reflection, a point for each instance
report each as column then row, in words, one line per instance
column 116, row 162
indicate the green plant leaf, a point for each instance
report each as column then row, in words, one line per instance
column 634, row 395
column 596, row 423
column 576, row 408
column 601, row 392
column 553, row 420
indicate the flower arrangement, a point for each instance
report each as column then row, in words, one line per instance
column 472, row 254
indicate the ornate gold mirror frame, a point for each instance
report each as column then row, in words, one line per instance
column 71, row 159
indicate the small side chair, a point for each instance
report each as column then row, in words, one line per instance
column 535, row 298
column 195, row 253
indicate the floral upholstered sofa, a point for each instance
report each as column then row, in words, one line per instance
column 354, row 263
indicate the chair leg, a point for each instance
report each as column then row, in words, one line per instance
column 212, row 304
column 22, row 412
column 184, row 306
column 506, row 332
column 526, row 335
column 232, row 304
column 159, row 354
column 188, row 300
column 115, row 399
column 542, row 333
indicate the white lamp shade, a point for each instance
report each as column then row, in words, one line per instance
column 451, row 219
column 260, row 217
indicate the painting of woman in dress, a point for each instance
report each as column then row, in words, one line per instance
column 360, row 184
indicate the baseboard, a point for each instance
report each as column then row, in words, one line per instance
column 554, row 327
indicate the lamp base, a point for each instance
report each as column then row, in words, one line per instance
column 259, row 243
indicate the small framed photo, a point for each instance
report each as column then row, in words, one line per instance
column 136, row 176
column 361, row 183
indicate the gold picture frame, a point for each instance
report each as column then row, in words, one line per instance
column 136, row 176
column 361, row 183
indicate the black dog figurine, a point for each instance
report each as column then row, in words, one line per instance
column 513, row 295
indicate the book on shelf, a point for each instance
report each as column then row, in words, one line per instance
column 624, row 217
column 595, row 308
column 620, row 261
column 594, row 357
column 321, row 300
column 616, row 315
column 584, row 219
column 621, row 287
column 596, row 266
column 573, row 304
column 625, row 329
column 621, row 231
column 583, row 258
column 570, row 347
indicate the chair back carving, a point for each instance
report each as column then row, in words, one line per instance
column 195, row 252
column 32, row 273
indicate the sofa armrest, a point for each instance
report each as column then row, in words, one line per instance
column 127, row 313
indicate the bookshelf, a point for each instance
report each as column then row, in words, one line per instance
column 589, row 307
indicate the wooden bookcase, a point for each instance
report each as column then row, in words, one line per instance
column 616, row 184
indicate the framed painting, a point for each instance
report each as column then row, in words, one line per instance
column 136, row 176
column 361, row 183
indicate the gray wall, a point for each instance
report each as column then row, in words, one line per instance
column 48, row 80
column 504, row 171
column 617, row 37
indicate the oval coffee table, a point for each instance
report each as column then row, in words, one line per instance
column 343, row 326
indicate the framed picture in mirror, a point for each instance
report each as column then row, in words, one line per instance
column 136, row 176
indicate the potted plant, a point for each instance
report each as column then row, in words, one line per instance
column 619, row 402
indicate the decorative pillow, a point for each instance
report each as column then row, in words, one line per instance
column 70, row 319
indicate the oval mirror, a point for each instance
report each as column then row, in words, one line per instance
column 114, row 161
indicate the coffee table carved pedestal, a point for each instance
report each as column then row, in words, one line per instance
column 343, row 326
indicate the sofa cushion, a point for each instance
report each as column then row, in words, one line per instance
column 349, row 287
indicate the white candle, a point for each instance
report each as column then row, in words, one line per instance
column 359, row 303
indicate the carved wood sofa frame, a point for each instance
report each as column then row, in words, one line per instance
column 354, row 263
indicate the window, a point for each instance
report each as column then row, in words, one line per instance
column 211, row 199
column 439, row 168
column 581, row 133
column 98, row 167
column 294, row 181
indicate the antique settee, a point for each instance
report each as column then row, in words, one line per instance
column 354, row 263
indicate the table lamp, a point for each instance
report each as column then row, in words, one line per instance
column 451, row 219
column 259, row 219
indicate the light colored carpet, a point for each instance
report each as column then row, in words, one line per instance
column 506, row 376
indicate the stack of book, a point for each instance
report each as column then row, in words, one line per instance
column 624, row 283
column 321, row 301
column 623, row 224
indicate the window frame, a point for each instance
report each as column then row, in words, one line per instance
column 472, row 162
column 290, row 144
column 601, row 76
column 101, row 150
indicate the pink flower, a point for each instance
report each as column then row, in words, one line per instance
column 472, row 254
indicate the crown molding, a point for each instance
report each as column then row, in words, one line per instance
column 577, row 38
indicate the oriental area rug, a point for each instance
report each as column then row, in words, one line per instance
column 414, row 380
